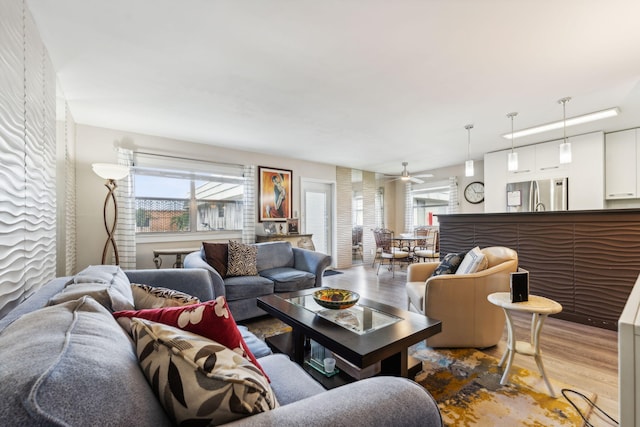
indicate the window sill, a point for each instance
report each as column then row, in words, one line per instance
column 187, row 237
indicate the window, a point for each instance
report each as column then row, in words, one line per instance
column 357, row 208
column 178, row 201
column 429, row 201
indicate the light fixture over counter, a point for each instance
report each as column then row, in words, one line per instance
column 572, row 121
column 468, row 165
column 512, row 158
column 565, row 146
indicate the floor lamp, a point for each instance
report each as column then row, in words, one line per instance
column 110, row 172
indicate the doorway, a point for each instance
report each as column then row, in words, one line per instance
column 317, row 213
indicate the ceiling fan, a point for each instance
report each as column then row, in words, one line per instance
column 405, row 176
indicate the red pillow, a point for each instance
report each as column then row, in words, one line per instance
column 211, row 319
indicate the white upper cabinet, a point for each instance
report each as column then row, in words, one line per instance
column 621, row 165
column 526, row 163
column 542, row 161
column 548, row 158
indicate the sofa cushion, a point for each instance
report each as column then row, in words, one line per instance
column 146, row 296
column 198, row 380
column 71, row 364
column 243, row 287
column 107, row 284
column 258, row 347
column 211, row 319
column 449, row 264
column 290, row 382
column 473, row 261
column 217, row 256
column 242, row 259
column 275, row 254
column 287, row 279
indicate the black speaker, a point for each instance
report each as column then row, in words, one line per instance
column 520, row 286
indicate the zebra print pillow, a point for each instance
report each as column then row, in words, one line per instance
column 242, row 259
column 146, row 296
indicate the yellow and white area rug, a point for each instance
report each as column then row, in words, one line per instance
column 466, row 385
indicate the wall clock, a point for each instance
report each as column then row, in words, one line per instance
column 474, row 192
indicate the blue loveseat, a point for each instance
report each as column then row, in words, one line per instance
column 281, row 268
column 69, row 365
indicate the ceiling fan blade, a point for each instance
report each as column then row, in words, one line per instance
column 424, row 175
column 416, row 180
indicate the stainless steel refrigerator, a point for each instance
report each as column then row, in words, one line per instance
column 538, row 196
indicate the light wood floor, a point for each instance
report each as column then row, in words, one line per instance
column 582, row 356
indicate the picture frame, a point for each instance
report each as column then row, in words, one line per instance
column 293, row 225
column 269, row 228
column 274, row 194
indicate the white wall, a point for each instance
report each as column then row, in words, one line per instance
column 98, row 145
column 396, row 193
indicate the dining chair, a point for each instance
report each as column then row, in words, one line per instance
column 389, row 251
column 427, row 243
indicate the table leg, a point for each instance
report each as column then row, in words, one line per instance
column 396, row 365
column 298, row 346
column 536, row 327
column 178, row 263
column 511, row 348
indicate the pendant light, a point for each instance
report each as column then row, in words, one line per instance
column 512, row 158
column 565, row 147
column 468, row 165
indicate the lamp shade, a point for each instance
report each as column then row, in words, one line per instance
column 110, row 170
column 468, row 168
column 512, row 162
column 565, row 153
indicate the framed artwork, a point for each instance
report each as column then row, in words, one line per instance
column 274, row 191
column 292, row 225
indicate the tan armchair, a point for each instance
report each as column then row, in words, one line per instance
column 460, row 301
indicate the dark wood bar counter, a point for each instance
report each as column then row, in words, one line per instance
column 588, row 261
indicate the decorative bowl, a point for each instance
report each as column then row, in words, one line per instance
column 335, row 299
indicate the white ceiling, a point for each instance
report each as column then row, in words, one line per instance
column 358, row 83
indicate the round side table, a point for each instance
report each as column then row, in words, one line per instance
column 540, row 308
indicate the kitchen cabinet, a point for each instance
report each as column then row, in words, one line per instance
column 621, row 165
column 586, row 172
column 548, row 159
column 526, row 163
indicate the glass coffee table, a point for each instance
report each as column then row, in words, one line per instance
column 364, row 334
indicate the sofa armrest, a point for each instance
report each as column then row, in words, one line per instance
column 196, row 260
column 378, row 401
column 311, row 261
column 420, row 271
column 196, row 282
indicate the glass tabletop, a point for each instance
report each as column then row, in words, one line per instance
column 359, row 318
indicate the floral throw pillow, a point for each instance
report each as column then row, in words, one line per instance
column 211, row 319
column 199, row 381
column 242, row 259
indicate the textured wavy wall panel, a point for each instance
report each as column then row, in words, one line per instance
column 606, row 258
column 70, row 194
column 587, row 260
column 546, row 252
column 27, row 157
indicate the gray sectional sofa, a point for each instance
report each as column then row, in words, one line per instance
column 72, row 364
column 281, row 268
